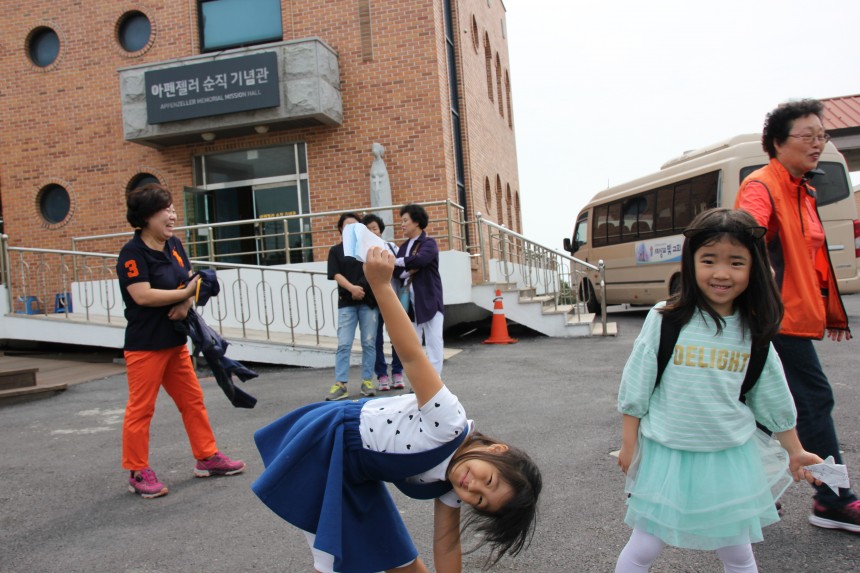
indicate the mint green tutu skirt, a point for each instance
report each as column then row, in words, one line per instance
column 706, row 500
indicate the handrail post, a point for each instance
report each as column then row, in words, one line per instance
column 7, row 270
column 601, row 266
column 478, row 225
column 448, row 223
column 210, row 243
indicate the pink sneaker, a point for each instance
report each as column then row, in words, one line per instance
column 397, row 382
column 218, row 465
column 146, row 484
column 382, row 384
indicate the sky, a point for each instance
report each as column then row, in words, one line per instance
column 605, row 91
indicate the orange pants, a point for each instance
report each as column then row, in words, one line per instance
column 149, row 370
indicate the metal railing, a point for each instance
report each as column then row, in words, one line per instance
column 291, row 299
column 83, row 286
column 561, row 279
column 286, row 239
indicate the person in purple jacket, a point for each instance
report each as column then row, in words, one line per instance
column 418, row 263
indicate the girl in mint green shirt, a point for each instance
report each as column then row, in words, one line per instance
column 699, row 474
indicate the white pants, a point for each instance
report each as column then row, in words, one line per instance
column 432, row 334
column 643, row 548
column 324, row 562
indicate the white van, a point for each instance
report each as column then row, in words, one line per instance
column 635, row 228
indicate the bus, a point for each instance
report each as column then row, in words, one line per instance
column 635, row 228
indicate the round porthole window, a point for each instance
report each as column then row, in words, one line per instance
column 134, row 31
column 140, row 180
column 43, row 46
column 54, row 204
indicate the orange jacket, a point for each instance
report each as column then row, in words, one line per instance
column 810, row 292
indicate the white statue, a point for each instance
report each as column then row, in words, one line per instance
column 380, row 189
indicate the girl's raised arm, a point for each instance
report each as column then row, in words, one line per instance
column 422, row 376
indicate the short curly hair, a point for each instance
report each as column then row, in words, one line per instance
column 417, row 213
column 779, row 122
column 144, row 202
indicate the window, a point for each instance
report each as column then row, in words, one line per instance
column 598, row 234
column 510, row 203
column 510, row 109
column 519, row 217
column 500, row 214
column 654, row 213
column 54, row 203
column 488, row 59
column 475, row 40
column 43, row 46
column 613, row 223
column 134, row 31
column 488, row 194
column 233, row 23
column 499, row 84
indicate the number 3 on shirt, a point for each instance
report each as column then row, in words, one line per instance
column 131, row 269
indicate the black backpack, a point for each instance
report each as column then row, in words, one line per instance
column 669, row 332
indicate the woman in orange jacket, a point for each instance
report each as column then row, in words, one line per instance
column 780, row 198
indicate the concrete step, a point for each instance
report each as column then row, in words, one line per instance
column 13, row 378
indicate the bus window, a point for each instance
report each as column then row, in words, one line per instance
column 598, row 234
column 637, row 216
column 663, row 222
column 703, row 195
column 613, row 223
column 682, row 216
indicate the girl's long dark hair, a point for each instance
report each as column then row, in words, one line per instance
column 760, row 305
column 510, row 529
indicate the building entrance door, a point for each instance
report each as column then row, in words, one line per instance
column 282, row 241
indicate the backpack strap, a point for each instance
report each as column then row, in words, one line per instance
column 669, row 333
column 755, row 366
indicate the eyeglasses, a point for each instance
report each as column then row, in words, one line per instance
column 808, row 138
column 755, row 232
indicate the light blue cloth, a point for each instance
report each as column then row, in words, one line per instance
column 347, row 318
column 706, row 500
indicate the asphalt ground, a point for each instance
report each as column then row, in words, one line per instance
column 64, row 506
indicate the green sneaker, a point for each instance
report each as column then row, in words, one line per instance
column 337, row 392
column 367, row 388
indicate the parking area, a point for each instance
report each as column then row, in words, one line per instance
column 64, row 505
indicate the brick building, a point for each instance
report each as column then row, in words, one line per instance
column 250, row 108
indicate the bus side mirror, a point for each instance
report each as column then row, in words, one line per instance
column 567, row 246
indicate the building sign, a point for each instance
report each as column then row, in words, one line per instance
column 665, row 250
column 212, row 88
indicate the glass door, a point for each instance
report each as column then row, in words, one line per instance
column 277, row 245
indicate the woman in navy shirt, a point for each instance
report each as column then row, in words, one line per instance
column 153, row 272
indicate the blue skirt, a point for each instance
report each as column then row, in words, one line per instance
column 706, row 500
column 308, row 481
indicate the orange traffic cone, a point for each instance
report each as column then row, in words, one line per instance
column 499, row 328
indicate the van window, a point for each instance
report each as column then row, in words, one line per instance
column 613, row 223
column 598, row 235
column 830, row 186
column 580, row 234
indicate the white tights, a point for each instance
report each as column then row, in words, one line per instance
column 643, row 548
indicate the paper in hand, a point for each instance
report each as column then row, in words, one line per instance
column 357, row 240
column 833, row 474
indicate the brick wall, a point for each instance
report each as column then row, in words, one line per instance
column 63, row 124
